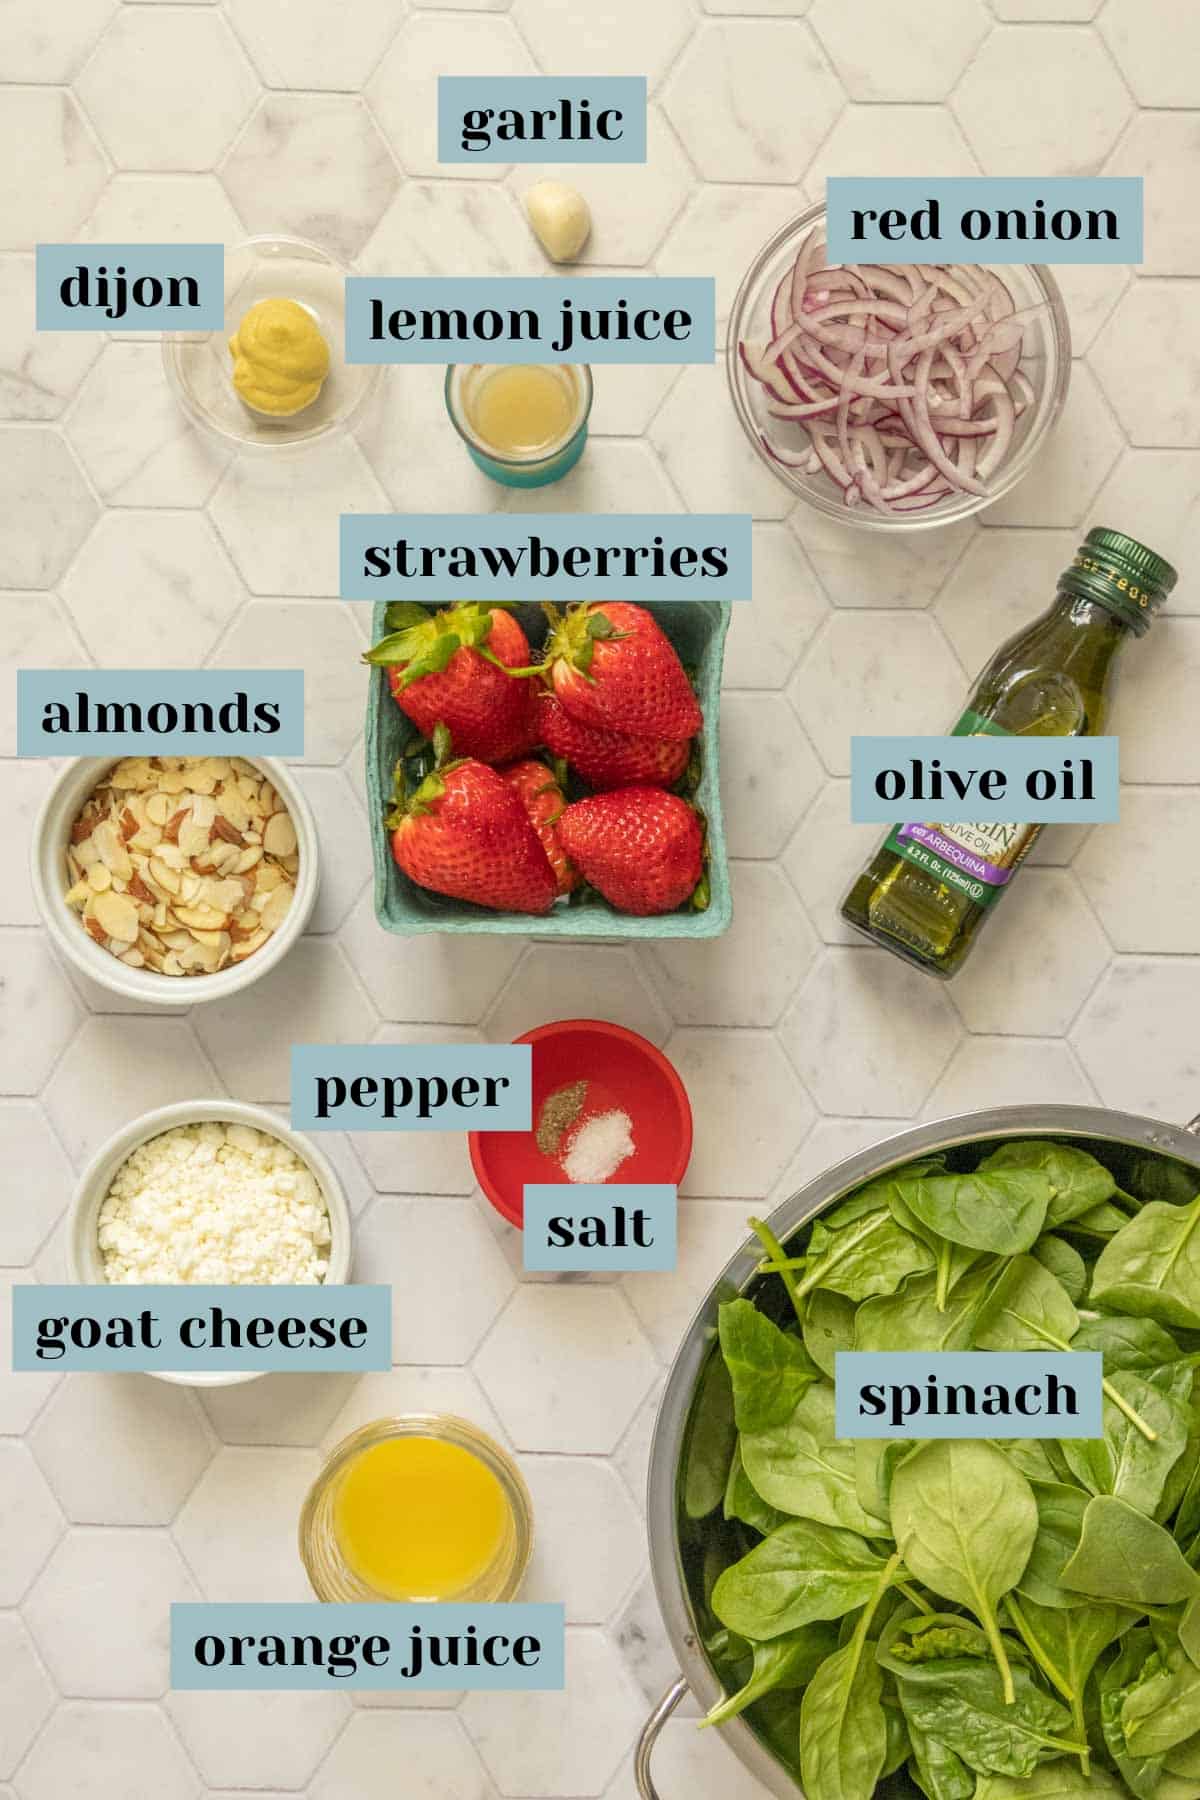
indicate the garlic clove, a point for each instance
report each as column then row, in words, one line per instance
column 560, row 218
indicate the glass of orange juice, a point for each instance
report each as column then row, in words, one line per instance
column 524, row 424
column 423, row 1507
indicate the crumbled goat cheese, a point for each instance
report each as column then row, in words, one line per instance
column 214, row 1203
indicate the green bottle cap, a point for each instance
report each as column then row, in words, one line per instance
column 1127, row 577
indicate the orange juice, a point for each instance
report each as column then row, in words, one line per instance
column 417, row 1518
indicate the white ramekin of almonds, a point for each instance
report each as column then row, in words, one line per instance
column 175, row 879
column 209, row 1192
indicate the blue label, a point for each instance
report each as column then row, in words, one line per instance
column 968, row 1394
column 411, row 1087
column 201, row 1328
column 601, row 1225
column 984, row 219
column 541, row 119
column 545, row 556
column 985, row 779
column 130, row 287
column 289, row 1645
column 530, row 319
column 160, row 712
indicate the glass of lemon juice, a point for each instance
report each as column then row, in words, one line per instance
column 524, row 424
column 419, row 1508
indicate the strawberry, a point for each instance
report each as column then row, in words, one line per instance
column 442, row 666
column 608, row 759
column 613, row 666
column 465, row 833
column 543, row 800
column 638, row 846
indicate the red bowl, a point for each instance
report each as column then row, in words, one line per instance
column 622, row 1071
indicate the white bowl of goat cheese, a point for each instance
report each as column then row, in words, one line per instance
column 209, row 1191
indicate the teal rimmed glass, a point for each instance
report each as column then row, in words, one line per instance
column 543, row 466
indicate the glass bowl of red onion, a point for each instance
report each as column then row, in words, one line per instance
column 900, row 395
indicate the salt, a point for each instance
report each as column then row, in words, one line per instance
column 599, row 1147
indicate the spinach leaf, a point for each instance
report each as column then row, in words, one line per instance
column 1067, row 1645
column 801, row 1573
column 1026, row 1309
column 964, row 1704
column 711, row 1437
column 871, row 1256
column 1053, row 1781
column 1135, row 1344
column 951, row 1261
column 1142, row 1775
column 843, row 1729
column 1124, row 1462
column 1184, row 1759
column 1125, row 1557
column 828, row 1328
column 1032, row 1458
column 1077, row 1181
column 1162, row 1710
column 942, row 1774
column 965, row 1520
column 1061, row 1512
column 1064, row 1263
column 789, row 1661
column 875, row 1463
column 1152, row 1266
column 913, row 1637
column 1189, row 1629
column 804, row 1469
column 769, row 1369
column 1004, row 1212
column 743, row 1500
column 912, row 1320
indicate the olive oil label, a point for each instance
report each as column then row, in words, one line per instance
column 975, row 860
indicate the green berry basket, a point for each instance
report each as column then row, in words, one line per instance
column 697, row 630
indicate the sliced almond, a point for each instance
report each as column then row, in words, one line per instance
column 201, row 918
column 99, row 877
column 133, row 959
column 118, row 915
column 158, row 808
column 275, row 911
column 224, row 828
column 164, row 875
column 279, row 836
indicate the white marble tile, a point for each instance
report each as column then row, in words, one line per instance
column 418, row 1162
column 429, row 45
column 631, row 1458
column 722, row 229
column 23, row 786
column 713, row 467
column 97, row 1752
column 30, row 1521
column 345, row 844
column 1066, row 10
column 867, row 139
column 641, row 1640
column 41, row 1013
column 309, row 997
column 1014, row 1071
column 157, row 458
column 884, row 569
column 1134, row 1037
column 308, row 45
column 101, row 1609
column 701, row 1765
column 611, row 477
column 825, row 855
column 431, row 1748
column 566, row 1367
column 256, row 1739
column 413, row 449
column 1154, row 701
column 1157, row 45
column 151, row 208
column 279, row 515
column 22, row 1396
column 1163, row 149
column 400, row 1242
column 263, row 1489
column 1157, row 493
column 167, row 88
column 760, row 734
column 622, row 235
column 568, row 981
column 51, row 167
column 320, row 638
column 314, row 166
column 1036, row 961
column 580, row 1500
column 744, row 1077
column 290, row 1410
column 34, row 634
column 1073, row 102
column 38, row 43
column 880, row 56
column 1004, row 581
column 627, row 396
column 601, row 39
column 187, row 588
column 46, row 1179
column 747, row 976
column 39, row 370
column 118, row 1068
column 1132, row 874
column 432, row 228
column 429, row 977
column 710, row 1231
column 886, row 673
column 390, row 1393
column 1155, row 410
column 26, row 1694
column 767, row 635
column 831, row 1141
column 869, row 1035
column 732, row 99
column 49, row 508
column 1068, row 469
column 1089, row 291
column 121, row 1449
column 554, row 1746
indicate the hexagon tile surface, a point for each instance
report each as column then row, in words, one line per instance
column 215, row 119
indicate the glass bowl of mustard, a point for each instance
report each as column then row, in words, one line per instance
column 276, row 374
column 423, row 1507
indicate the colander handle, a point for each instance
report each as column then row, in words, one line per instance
column 650, row 1735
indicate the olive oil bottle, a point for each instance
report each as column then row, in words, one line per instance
column 929, row 888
